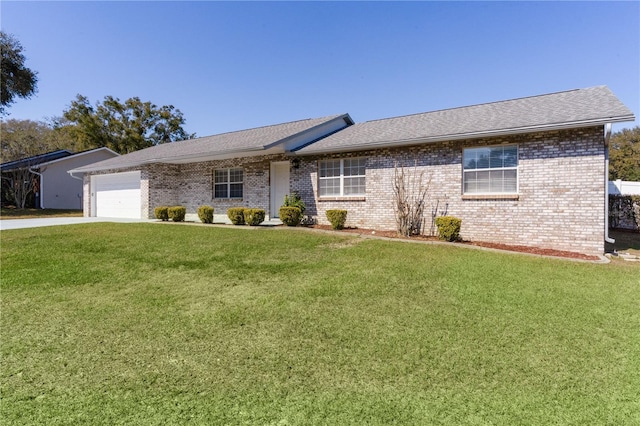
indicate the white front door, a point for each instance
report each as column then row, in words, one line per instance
column 279, row 185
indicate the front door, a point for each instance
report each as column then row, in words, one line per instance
column 279, row 185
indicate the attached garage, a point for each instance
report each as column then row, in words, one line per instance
column 116, row 195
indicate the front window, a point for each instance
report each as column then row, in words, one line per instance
column 227, row 183
column 490, row 170
column 346, row 177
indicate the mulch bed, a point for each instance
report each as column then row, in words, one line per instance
column 506, row 247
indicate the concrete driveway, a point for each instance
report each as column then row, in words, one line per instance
column 56, row 221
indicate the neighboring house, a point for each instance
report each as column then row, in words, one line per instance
column 624, row 187
column 529, row 171
column 55, row 188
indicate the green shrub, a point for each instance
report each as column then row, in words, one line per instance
column 254, row 217
column 205, row 213
column 177, row 213
column 448, row 227
column 294, row 200
column 290, row 216
column 236, row 215
column 162, row 213
column 337, row 218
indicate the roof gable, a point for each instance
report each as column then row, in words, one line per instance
column 80, row 154
column 277, row 138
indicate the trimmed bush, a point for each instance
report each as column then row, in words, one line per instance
column 162, row 213
column 236, row 215
column 290, row 216
column 177, row 213
column 254, row 217
column 205, row 213
column 448, row 227
column 294, row 200
column 337, row 218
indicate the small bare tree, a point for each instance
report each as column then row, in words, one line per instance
column 410, row 191
column 21, row 183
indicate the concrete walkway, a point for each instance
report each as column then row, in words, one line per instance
column 56, row 221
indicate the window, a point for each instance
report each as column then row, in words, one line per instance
column 227, row 183
column 490, row 170
column 342, row 178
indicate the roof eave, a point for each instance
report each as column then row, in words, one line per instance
column 472, row 135
column 175, row 160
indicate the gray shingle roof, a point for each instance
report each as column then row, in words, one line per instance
column 574, row 108
column 232, row 144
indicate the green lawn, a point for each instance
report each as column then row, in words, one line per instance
column 168, row 324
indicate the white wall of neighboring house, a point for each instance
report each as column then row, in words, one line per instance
column 58, row 189
column 622, row 187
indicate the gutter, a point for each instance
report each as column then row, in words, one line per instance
column 40, row 186
column 607, row 137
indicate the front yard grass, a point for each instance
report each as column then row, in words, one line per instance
column 149, row 324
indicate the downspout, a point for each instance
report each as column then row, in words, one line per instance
column 607, row 137
column 75, row 177
column 40, row 186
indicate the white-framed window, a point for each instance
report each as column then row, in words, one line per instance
column 227, row 183
column 490, row 170
column 342, row 177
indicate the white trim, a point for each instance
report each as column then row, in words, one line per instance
column 341, row 177
column 228, row 183
column 489, row 169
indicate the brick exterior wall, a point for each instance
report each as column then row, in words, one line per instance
column 560, row 202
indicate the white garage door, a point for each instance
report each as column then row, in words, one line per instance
column 117, row 195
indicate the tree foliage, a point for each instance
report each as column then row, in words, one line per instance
column 624, row 155
column 16, row 80
column 21, row 139
column 25, row 138
column 122, row 127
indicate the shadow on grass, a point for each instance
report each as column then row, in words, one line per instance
column 625, row 240
column 12, row 213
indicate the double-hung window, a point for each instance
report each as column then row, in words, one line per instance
column 342, row 177
column 490, row 170
column 227, row 183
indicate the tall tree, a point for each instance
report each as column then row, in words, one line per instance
column 16, row 79
column 624, row 155
column 24, row 138
column 123, row 127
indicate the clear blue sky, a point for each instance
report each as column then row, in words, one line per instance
column 236, row 65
